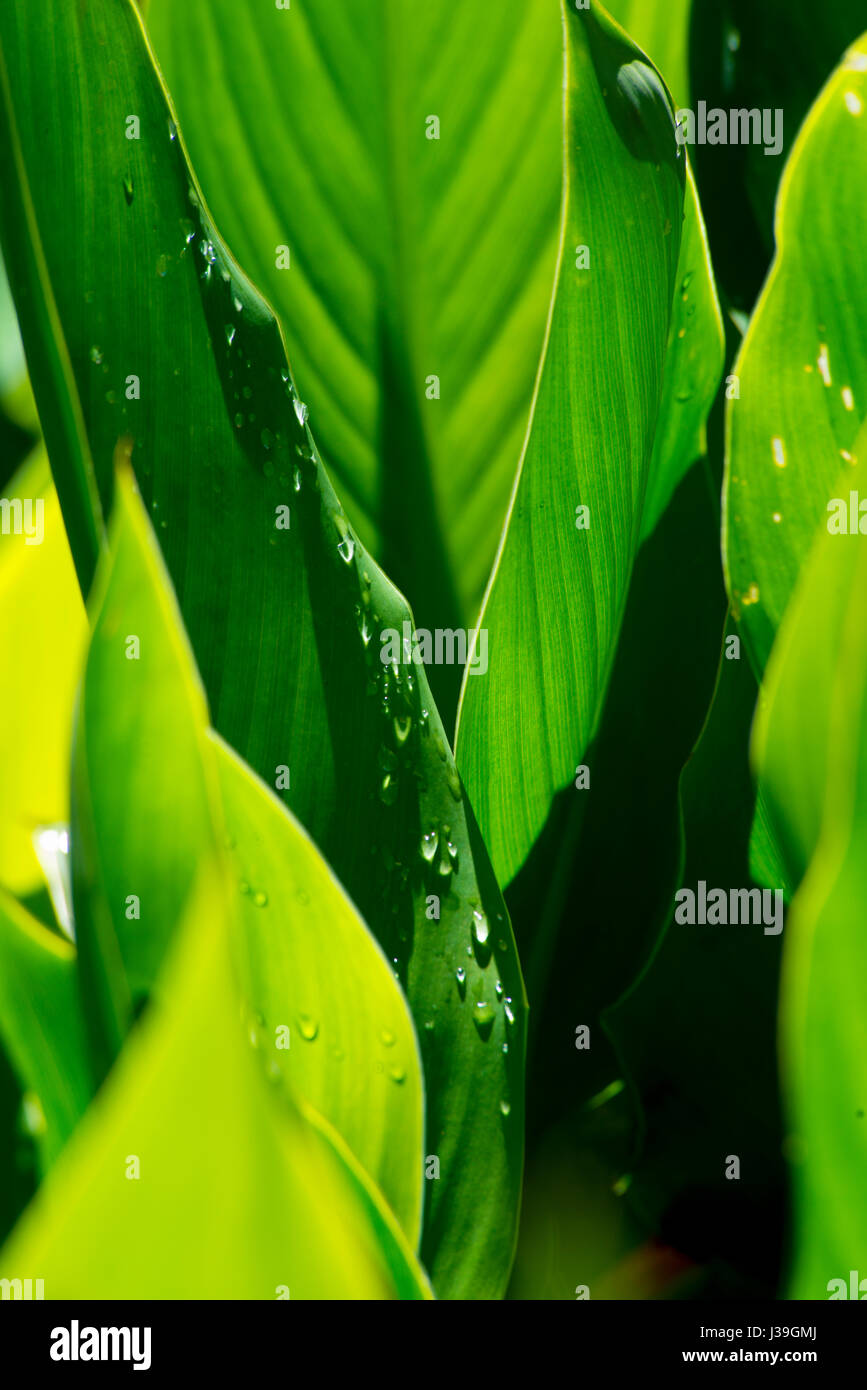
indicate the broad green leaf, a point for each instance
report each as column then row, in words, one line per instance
column 802, row 369
column 324, row 1003
column 817, row 679
column 411, row 257
column 574, row 969
column 142, row 757
column 694, row 357
column 41, row 1026
column 556, row 599
column 42, row 630
column 232, row 1196
column 791, row 737
column 285, row 620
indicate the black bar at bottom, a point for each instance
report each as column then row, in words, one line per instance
column 65, row 1338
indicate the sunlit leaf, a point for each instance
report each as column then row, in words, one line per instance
column 42, row 629
column 186, row 1180
column 284, row 608
column 802, row 370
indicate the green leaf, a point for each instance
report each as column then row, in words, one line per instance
column 142, row 757
column 286, row 622
column 137, row 761
column 411, row 257
column 693, row 363
column 554, row 607
column 41, row 1025
column 324, row 1003
column 792, row 735
column 817, row 680
column 41, row 614
column 802, row 369
column 234, row 1196
column 695, row 351
column 42, row 333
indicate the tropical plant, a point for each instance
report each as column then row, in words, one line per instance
column 346, row 346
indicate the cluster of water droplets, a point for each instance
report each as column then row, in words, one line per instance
column 409, row 735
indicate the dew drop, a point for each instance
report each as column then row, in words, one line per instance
column 480, row 926
column 260, row 899
column 346, row 549
column 823, row 364
column 397, row 1074
column 428, row 846
column 243, row 887
column 388, row 789
column 461, row 977
column 239, row 420
column 301, row 412
column 96, row 355
column 128, row 189
column 505, row 1108
column 507, row 1010
column 230, row 333
column 779, row 452
column 483, row 1018
column 386, row 1037
column 403, row 725
column 308, row 1027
